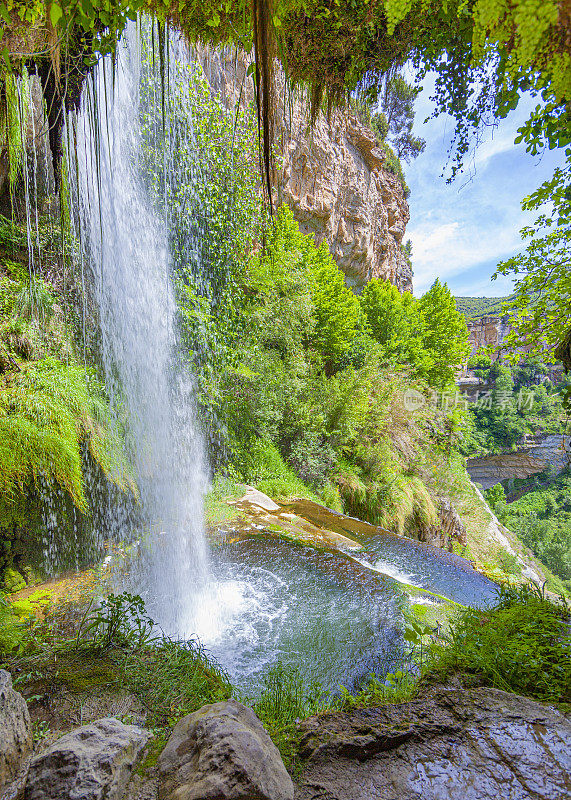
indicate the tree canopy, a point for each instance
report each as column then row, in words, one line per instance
column 485, row 54
column 428, row 334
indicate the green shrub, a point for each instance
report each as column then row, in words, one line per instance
column 541, row 517
column 521, row 645
column 12, row 580
column 48, row 412
column 508, row 563
column 393, row 164
column 115, row 645
column 337, row 312
column 17, row 621
column 174, row 678
column 312, row 459
column 331, row 497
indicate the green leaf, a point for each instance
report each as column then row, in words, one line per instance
column 5, row 53
column 56, row 13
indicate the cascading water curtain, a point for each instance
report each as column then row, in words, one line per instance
column 123, row 226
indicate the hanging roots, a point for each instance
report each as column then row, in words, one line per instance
column 265, row 50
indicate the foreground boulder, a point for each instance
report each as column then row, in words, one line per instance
column 93, row 762
column 478, row 744
column 15, row 729
column 222, row 752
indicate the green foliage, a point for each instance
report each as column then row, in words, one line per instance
column 14, row 112
column 336, row 313
column 12, row 580
column 114, row 647
column 445, row 333
column 17, row 621
column 485, row 54
column 119, row 621
column 384, row 494
column 393, row 164
column 496, row 498
column 397, row 687
column 48, row 411
column 476, row 307
column 429, row 335
column 309, row 400
column 54, row 415
column 395, row 323
column 521, row 645
column 287, row 697
column 516, row 400
column 265, row 467
column 174, row 678
column 539, row 310
column 384, row 476
column 216, row 509
column 398, row 109
column 213, row 205
column 509, row 563
column 541, row 517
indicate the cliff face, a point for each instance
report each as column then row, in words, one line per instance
column 335, row 182
column 487, row 332
column 333, row 177
column 550, row 450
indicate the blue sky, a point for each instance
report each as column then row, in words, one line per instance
column 460, row 231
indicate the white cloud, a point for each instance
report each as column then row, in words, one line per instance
column 452, row 249
column 460, row 231
column 497, row 144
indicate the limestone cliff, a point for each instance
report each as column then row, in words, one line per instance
column 332, row 175
column 548, row 451
column 335, row 181
column 489, row 331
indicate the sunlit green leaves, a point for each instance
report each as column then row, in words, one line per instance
column 56, row 13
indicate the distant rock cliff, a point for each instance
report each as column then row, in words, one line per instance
column 492, row 331
column 333, row 177
column 549, row 450
column 489, row 331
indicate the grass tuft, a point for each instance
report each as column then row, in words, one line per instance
column 522, row 645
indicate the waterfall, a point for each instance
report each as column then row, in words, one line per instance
column 124, row 243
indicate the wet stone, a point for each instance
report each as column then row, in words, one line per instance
column 479, row 744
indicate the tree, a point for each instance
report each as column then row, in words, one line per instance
column 397, row 324
column 337, row 311
column 301, row 294
column 445, row 334
column 539, row 311
column 506, row 425
column 280, row 279
column 398, row 112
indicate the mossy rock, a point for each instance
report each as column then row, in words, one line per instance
column 13, row 581
column 82, row 676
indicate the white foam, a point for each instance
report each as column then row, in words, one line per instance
column 394, row 572
column 422, row 601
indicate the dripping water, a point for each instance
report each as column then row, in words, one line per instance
column 125, row 246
